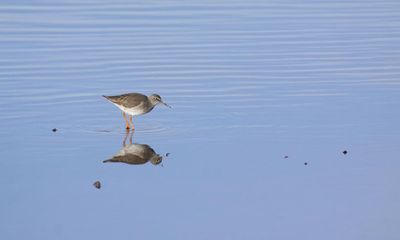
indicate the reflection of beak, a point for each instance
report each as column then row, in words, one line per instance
column 166, row 104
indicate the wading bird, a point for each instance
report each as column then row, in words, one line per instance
column 135, row 104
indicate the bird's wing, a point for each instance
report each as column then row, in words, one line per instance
column 148, row 151
column 129, row 159
column 128, row 100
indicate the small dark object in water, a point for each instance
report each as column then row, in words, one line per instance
column 167, row 154
column 305, row 163
column 286, row 157
column 345, row 152
column 54, row 130
column 97, row 184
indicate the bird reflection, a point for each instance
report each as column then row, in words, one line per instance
column 134, row 153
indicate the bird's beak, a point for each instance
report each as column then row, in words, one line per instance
column 166, row 104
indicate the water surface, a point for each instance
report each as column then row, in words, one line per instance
column 250, row 83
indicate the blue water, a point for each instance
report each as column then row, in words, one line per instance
column 250, row 82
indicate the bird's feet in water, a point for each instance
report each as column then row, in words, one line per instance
column 129, row 127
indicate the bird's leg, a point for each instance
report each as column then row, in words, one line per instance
column 130, row 118
column 126, row 136
column 126, row 121
column 131, row 135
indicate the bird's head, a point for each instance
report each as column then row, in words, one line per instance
column 156, row 99
column 156, row 159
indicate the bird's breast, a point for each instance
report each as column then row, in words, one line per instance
column 135, row 111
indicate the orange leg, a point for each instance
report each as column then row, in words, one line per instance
column 126, row 137
column 131, row 135
column 126, row 121
column 130, row 118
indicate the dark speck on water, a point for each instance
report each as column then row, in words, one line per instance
column 286, row 157
column 345, row 152
column 54, row 130
column 97, row 184
column 167, row 154
column 305, row 163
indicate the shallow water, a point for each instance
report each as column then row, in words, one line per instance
column 250, row 83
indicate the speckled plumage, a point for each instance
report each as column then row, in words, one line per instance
column 133, row 104
column 136, row 154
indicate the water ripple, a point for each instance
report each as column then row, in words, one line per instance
column 213, row 61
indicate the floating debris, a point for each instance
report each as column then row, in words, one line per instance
column 305, row 163
column 97, row 184
column 345, row 152
column 54, row 130
column 167, row 154
column 286, row 156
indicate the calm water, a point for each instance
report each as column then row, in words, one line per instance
column 250, row 82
